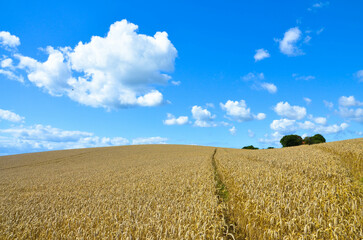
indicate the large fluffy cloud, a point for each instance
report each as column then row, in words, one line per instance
column 115, row 71
column 203, row 117
column 284, row 109
column 8, row 40
column 238, row 111
column 288, row 44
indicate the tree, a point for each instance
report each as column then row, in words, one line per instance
column 291, row 140
column 250, row 147
column 308, row 140
column 318, row 138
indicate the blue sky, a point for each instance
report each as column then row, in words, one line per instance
column 84, row 74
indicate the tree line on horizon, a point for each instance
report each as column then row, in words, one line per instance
column 295, row 140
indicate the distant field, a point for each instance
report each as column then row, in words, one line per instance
column 184, row 192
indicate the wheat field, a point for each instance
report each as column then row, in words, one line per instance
column 184, row 192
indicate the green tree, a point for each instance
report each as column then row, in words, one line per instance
column 308, row 140
column 317, row 138
column 291, row 140
column 250, row 147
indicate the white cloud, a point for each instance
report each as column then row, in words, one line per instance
column 351, row 113
column 328, row 104
column 319, row 31
column 7, row 63
column 51, row 75
column 10, row 116
column 307, row 100
column 349, row 101
column 273, row 139
column 150, row 99
column 41, row 138
column 251, row 134
column 319, row 5
column 288, row 44
column 307, row 39
column 284, row 125
column 256, row 79
column 12, row 76
column 238, row 111
column 233, row 130
column 253, row 76
column 150, row 140
column 305, row 78
column 115, row 71
column 320, row 120
column 176, row 83
column 291, row 112
column 331, row 129
column 171, row 120
column 8, row 40
column 261, row 54
column 260, row 116
column 211, row 105
column 270, row 87
column 359, row 75
column 203, row 117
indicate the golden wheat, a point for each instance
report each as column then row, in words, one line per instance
column 184, row 192
column 293, row 193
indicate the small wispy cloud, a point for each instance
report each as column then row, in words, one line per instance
column 261, row 54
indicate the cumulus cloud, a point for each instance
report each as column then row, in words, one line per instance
column 331, row 129
column 238, row 111
column 291, row 112
column 172, row 120
column 233, row 130
column 261, row 54
column 10, row 116
column 270, row 87
column 284, row 125
column 260, row 116
column 288, row 44
column 203, row 117
column 116, row 71
column 287, row 126
column 349, row 102
column 351, row 113
column 320, row 120
column 150, row 140
column 359, row 75
column 8, row 40
column 349, row 108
